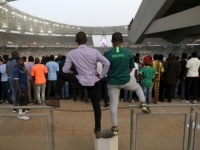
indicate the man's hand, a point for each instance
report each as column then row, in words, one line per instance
column 21, row 94
column 98, row 76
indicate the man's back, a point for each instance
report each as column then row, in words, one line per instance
column 52, row 68
column 10, row 67
column 193, row 67
column 38, row 71
column 85, row 60
column 147, row 73
column 172, row 68
column 121, row 61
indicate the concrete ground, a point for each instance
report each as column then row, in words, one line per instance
column 74, row 124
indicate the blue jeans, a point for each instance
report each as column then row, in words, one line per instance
column 182, row 84
column 65, row 90
column 128, row 95
column 14, row 94
column 40, row 92
column 147, row 93
column 4, row 90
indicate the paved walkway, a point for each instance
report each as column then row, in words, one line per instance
column 74, row 123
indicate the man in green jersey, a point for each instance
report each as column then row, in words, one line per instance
column 118, row 77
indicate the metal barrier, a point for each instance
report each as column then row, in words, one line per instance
column 32, row 134
column 165, row 130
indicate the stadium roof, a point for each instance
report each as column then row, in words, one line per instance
column 16, row 21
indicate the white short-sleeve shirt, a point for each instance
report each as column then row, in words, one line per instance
column 193, row 67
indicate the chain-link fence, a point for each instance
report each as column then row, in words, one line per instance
column 37, row 133
column 171, row 130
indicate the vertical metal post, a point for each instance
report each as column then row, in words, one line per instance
column 52, row 129
column 132, row 129
column 184, row 134
column 190, row 128
column 47, row 132
column 195, row 131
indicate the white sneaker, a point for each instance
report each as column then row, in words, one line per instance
column 23, row 117
column 185, row 101
column 194, row 101
column 26, row 111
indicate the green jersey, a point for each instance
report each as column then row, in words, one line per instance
column 147, row 73
column 121, row 61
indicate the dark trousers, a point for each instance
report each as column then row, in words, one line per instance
column 49, row 87
column 169, row 90
column 104, row 90
column 93, row 92
column 23, row 100
column 191, row 84
column 4, row 91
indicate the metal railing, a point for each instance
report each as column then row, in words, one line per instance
column 165, row 130
column 31, row 134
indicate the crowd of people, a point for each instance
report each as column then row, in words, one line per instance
column 116, row 75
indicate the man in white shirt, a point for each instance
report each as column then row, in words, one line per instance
column 191, row 77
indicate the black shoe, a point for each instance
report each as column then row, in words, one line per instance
column 106, row 105
column 87, row 101
column 69, row 97
column 97, row 133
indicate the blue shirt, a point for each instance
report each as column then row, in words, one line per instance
column 4, row 76
column 20, row 75
column 10, row 66
column 52, row 68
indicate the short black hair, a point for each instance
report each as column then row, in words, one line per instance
column 155, row 57
column 81, row 37
column 19, row 58
column 137, row 54
column 24, row 58
column 117, row 37
column 63, row 57
column 184, row 55
column 5, row 57
column 30, row 59
column 194, row 54
column 51, row 57
column 160, row 57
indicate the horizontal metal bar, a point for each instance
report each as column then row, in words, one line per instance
column 26, row 107
column 167, row 105
column 15, row 115
column 163, row 113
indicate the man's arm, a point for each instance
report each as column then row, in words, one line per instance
column 186, row 70
column 67, row 65
column 16, row 79
column 104, row 61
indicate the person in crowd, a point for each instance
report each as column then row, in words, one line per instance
column 118, row 77
column 65, row 88
column 31, row 84
column 24, row 59
column 170, row 77
column 86, row 67
column 53, row 69
column 181, row 82
column 4, row 81
column 160, row 59
column 158, row 66
column 128, row 94
column 10, row 65
column 191, row 78
column 20, row 78
column 147, row 73
column 39, row 75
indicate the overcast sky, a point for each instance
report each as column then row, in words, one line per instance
column 82, row 12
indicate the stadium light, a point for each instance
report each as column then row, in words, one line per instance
column 25, row 17
column 0, row 7
column 30, row 18
column 19, row 28
column 41, row 31
column 31, row 29
column 49, row 31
